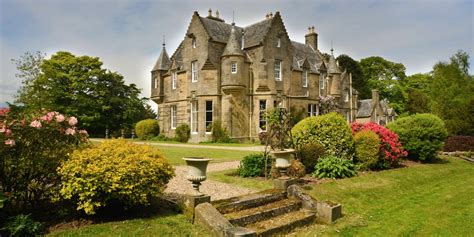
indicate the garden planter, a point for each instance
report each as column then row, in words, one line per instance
column 197, row 167
column 328, row 212
column 283, row 160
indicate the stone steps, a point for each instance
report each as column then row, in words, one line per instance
column 249, row 201
column 264, row 212
column 283, row 223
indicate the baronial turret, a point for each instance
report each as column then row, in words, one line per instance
column 163, row 62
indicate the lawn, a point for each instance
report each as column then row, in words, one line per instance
column 422, row 200
column 175, row 154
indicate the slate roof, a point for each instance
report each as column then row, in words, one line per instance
column 302, row 52
column 332, row 65
column 163, row 62
column 365, row 108
column 218, row 31
column 255, row 34
column 233, row 46
column 386, row 107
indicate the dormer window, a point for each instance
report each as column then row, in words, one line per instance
column 277, row 71
column 278, row 42
column 194, row 71
column 194, row 42
column 174, row 79
column 305, row 78
column 321, row 82
column 233, row 67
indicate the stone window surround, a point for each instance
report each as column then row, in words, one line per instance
column 174, row 78
column 313, row 110
column 278, row 43
column 208, row 123
column 193, row 42
column 262, row 110
column 194, row 71
column 173, row 117
column 304, row 78
column 322, row 81
column 233, row 67
column 194, row 117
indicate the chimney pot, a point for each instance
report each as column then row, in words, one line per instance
column 210, row 12
column 217, row 13
column 271, row 15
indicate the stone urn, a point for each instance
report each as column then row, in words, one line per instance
column 283, row 160
column 197, row 167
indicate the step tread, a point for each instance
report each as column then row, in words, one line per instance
column 267, row 208
column 283, row 223
column 249, row 200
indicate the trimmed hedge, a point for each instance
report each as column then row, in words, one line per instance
column 331, row 130
column 147, row 129
column 253, row 165
column 183, row 133
column 309, row 154
column 459, row 143
column 422, row 135
column 367, row 146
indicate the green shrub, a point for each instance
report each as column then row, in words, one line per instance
column 23, row 225
column 147, row 129
column 367, row 146
column 309, row 154
column 115, row 170
column 183, row 133
column 334, row 167
column 219, row 134
column 331, row 130
column 422, row 135
column 297, row 169
column 253, row 165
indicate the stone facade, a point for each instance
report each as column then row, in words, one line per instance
column 234, row 74
column 375, row 110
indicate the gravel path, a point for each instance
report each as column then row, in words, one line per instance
column 179, row 185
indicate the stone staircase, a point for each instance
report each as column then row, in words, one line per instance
column 266, row 213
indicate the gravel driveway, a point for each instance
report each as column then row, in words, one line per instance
column 179, row 185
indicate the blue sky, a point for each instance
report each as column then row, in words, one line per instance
column 127, row 35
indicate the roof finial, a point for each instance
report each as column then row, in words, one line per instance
column 164, row 42
column 217, row 13
column 332, row 49
column 210, row 12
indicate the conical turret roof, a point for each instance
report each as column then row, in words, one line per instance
column 332, row 65
column 163, row 62
column 233, row 46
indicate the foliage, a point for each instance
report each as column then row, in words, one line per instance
column 147, row 129
column 23, row 225
column 386, row 76
column 422, row 135
column 253, row 165
column 328, row 104
column 114, row 170
column 459, row 143
column 391, row 150
column 359, row 81
column 31, row 147
column 278, row 135
column 330, row 166
column 417, row 102
column 183, row 133
column 451, row 94
column 219, row 133
column 296, row 115
column 297, row 169
column 367, row 147
column 262, row 137
column 309, row 154
column 331, row 130
column 79, row 86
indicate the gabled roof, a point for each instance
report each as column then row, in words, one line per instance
column 255, row 34
column 163, row 62
column 303, row 52
column 218, row 31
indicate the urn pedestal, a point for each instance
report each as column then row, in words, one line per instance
column 197, row 168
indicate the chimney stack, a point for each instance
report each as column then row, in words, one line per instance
column 210, row 12
column 311, row 39
column 375, row 96
column 217, row 13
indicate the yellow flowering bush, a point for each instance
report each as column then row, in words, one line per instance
column 114, row 170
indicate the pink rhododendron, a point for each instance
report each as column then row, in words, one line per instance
column 83, row 132
column 10, row 142
column 8, row 132
column 72, row 121
column 60, row 118
column 70, row 131
column 35, row 124
column 3, row 129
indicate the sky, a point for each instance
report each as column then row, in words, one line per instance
column 127, row 35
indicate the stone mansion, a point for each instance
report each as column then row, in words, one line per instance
column 234, row 74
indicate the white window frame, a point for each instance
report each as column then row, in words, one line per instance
column 174, row 78
column 305, row 78
column 208, row 123
column 173, row 117
column 321, row 82
column 262, row 114
column 278, row 42
column 194, row 42
column 194, row 71
column 233, row 67
column 313, row 110
column 156, row 82
column 277, row 70
column 346, row 96
column 194, row 117
column 242, row 41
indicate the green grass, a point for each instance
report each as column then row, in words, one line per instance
column 193, row 144
column 230, row 177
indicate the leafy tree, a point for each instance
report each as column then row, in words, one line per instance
column 417, row 101
column 79, row 86
column 386, row 76
column 359, row 81
column 451, row 94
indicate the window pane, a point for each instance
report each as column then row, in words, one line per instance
column 208, row 116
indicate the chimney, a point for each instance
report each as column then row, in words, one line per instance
column 266, row 16
column 375, row 96
column 210, row 12
column 311, row 39
column 217, row 13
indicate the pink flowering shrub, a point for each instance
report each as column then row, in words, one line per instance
column 31, row 148
column 391, row 150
